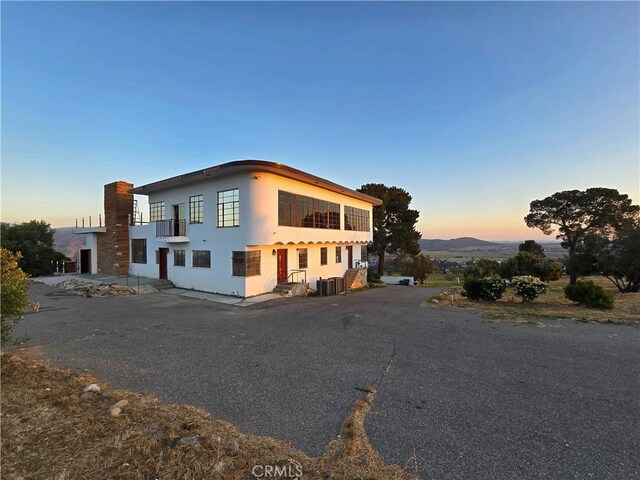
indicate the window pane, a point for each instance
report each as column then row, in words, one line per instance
column 229, row 208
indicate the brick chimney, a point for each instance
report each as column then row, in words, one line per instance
column 113, row 246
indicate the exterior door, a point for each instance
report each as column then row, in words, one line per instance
column 350, row 255
column 162, row 260
column 85, row 260
column 282, row 265
column 179, row 220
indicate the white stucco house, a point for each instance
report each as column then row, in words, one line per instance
column 240, row 228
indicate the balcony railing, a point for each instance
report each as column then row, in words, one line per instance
column 171, row 228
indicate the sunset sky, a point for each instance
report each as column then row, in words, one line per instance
column 475, row 108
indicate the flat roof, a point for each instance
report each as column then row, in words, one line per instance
column 252, row 166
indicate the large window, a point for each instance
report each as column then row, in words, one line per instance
column 139, row 250
column 302, row 258
column 301, row 211
column 156, row 211
column 202, row 258
column 179, row 258
column 246, row 264
column 323, row 255
column 356, row 219
column 228, row 208
column 338, row 254
column 195, row 209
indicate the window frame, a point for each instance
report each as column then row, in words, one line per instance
column 196, row 254
column 357, row 219
column 324, row 255
column 246, row 263
column 301, row 252
column 339, row 254
column 157, row 211
column 223, row 207
column 143, row 251
column 196, row 209
column 183, row 254
column 302, row 211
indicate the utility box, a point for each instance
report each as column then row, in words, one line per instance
column 339, row 285
column 326, row 287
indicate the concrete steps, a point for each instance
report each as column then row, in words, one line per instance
column 163, row 284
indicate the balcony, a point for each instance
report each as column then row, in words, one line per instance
column 172, row 231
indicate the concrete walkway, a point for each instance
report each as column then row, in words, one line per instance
column 226, row 299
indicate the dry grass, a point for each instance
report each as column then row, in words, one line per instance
column 50, row 430
column 510, row 309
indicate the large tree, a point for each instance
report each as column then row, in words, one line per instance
column 576, row 214
column 393, row 222
column 619, row 261
column 34, row 241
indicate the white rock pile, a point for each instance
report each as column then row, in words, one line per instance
column 92, row 289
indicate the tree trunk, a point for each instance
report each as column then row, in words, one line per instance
column 381, row 262
column 573, row 274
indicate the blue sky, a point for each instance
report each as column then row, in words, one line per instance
column 475, row 108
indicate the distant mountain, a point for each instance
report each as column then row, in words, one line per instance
column 462, row 243
column 67, row 242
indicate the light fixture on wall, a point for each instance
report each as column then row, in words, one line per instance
column 273, row 252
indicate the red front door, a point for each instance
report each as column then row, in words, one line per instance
column 163, row 252
column 282, row 265
column 350, row 255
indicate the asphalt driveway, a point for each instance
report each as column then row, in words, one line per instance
column 464, row 398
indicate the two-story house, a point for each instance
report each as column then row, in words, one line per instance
column 239, row 228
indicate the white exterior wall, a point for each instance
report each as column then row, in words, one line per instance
column 258, row 230
column 91, row 243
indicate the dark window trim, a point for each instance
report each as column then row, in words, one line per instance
column 234, row 203
column 196, row 206
column 193, row 258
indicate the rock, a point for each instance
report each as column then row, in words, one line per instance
column 114, row 411
column 232, row 447
column 121, row 404
column 219, row 467
column 92, row 387
column 435, row 301
column 191, row 439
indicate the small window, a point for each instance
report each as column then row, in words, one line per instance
column 139, row 250
column 195, row 209
column 302, row 258
column 338, row 254
column 228, row 208
column 323, row 255
column 178, row 258
column 156, row 211
column 245, row 264
column 364, row 253
column 202, row 258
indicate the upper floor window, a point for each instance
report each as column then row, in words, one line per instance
column 156, row 211
column 356, row 219
column 245, row 264
column 301, row 211
column 139, row 250
column 228, row 208
column 195, row 209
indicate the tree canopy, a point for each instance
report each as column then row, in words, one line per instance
column 576, row 214
column 393, row 222
column 34, row 241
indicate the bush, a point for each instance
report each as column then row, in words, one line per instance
column 528, row 287
column 482, row 268
column 486, row 288
column 585, row 292
column 372, row 277
column 13, row 295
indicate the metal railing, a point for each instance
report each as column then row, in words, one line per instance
column 171, row 228
column 82, row 223
column 137, row 220
column 297, row 272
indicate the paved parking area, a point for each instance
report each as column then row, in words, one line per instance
column 464, row 398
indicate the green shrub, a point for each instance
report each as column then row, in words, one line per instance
column 482, row 268
column 372, row 277
column 486, row 288
column 585, row 292
column 13, row 294
column 528, row 287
